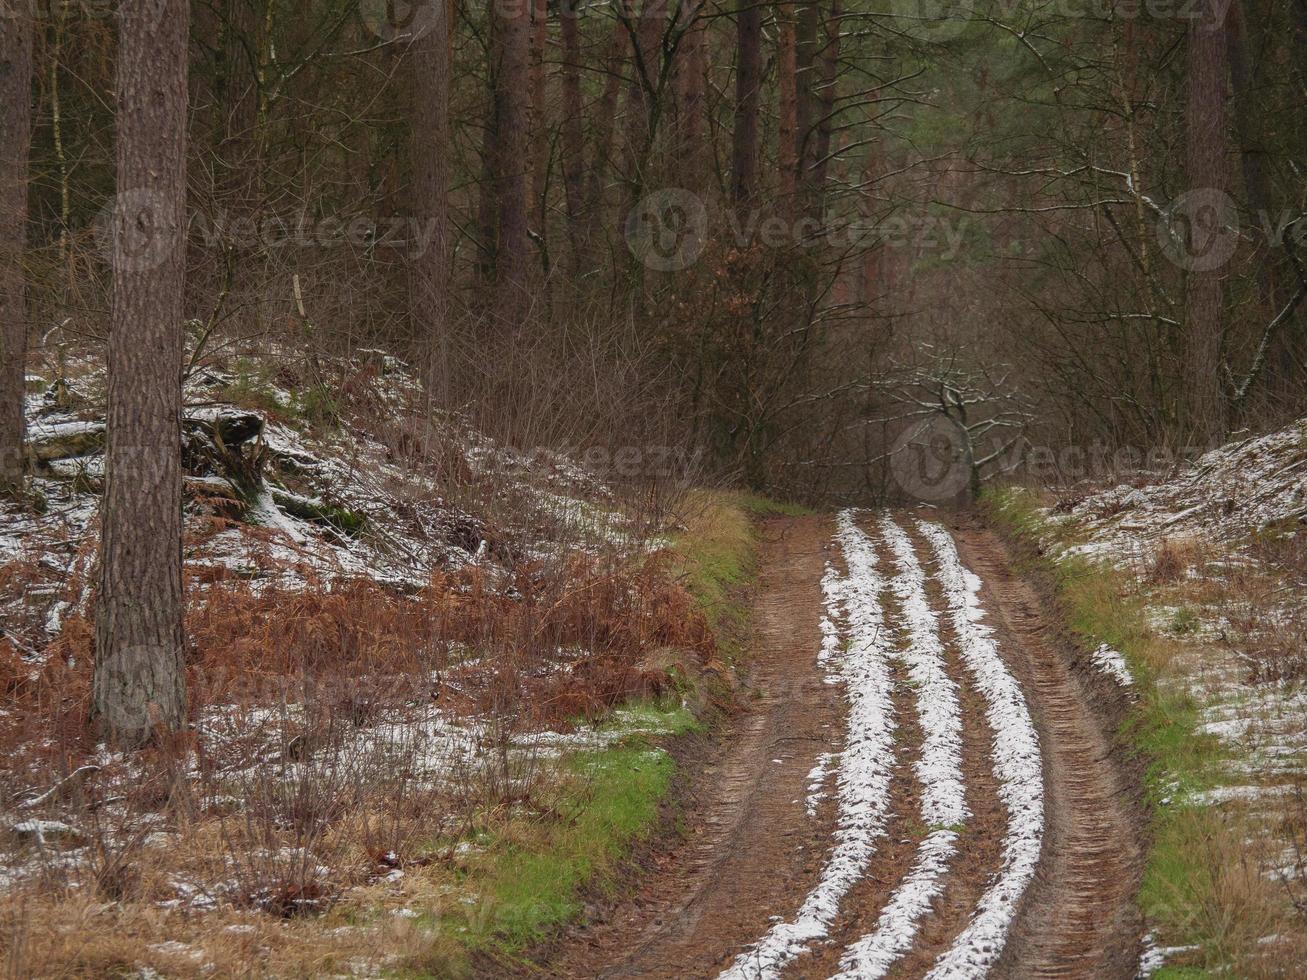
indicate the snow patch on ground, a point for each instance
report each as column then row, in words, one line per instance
column 1111, row 663
column 864, row 765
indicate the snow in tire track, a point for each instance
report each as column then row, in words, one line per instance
column 939, row 769
column 1017, row 764
column 862, row 768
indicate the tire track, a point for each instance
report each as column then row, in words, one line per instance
column 939, row 771
column 748, row 849
column 864, row 768
column 1079, row 919
column 977, row 824
column 1017, row 763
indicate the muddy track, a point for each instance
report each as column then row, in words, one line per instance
column 752, row 850
column 751, row 846
column 1079, row 919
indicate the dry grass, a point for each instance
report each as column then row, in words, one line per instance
column 1174, row 559
column 273, row 838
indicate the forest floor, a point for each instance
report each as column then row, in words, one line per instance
column 921, row 783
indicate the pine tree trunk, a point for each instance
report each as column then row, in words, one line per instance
column 691, row 68
column 787, row 83
column 15, row 140
column 513, row 156
column 606, row 119
column 429, row 284
column 824, row 100
column 140, row 676
column 573, row 136
column 641, row 109
column 748, row 78
column 539, row 111
column 1207, row 172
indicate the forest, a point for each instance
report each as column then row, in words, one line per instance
column 458, row 459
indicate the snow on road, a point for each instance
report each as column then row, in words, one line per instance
column 1017, row 764
column 939, row 769
column 863, row 767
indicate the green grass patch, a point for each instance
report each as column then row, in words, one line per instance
column 534, row 882
column 530, row 873
column 1192, row 885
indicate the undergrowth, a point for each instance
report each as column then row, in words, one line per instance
column 1199, row 892
column 298, row 831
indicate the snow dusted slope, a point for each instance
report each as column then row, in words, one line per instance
column 1230, row 491
column 379, row 488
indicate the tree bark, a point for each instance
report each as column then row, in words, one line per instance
column 1206, row 139
column 788, row 94
column 644, row 92
column 513, row 155
column 573, row 135
column 140, row 678
column 691, row 68
column 15, row 141
column 748, row 78
column 429, row 283
column 606, row 116
column 539, row 111
column 824, row 101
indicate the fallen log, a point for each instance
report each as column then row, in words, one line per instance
column 226, row 426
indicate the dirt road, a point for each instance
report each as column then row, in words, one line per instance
column 920, row 785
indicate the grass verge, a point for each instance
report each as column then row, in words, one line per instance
column 534, row 876
column 1199, row 894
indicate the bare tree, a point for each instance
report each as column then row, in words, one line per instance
column 15, row 138
column 966, row 419
column 140, row 673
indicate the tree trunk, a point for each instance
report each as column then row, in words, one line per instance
column 606, row 117
column 691, row 67
column 787, row 84
column 1206, row 418
column 1257, row 189
column 805, row 71
column 429, row 275
column 824, row 101
column 539, row 112
column 15, row 141
column 644, row 92
column 140, row 675
column 748, row 78
column 573, row 136
column 513, row 156
column 488, row 203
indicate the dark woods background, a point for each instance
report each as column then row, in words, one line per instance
column 766, row 240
